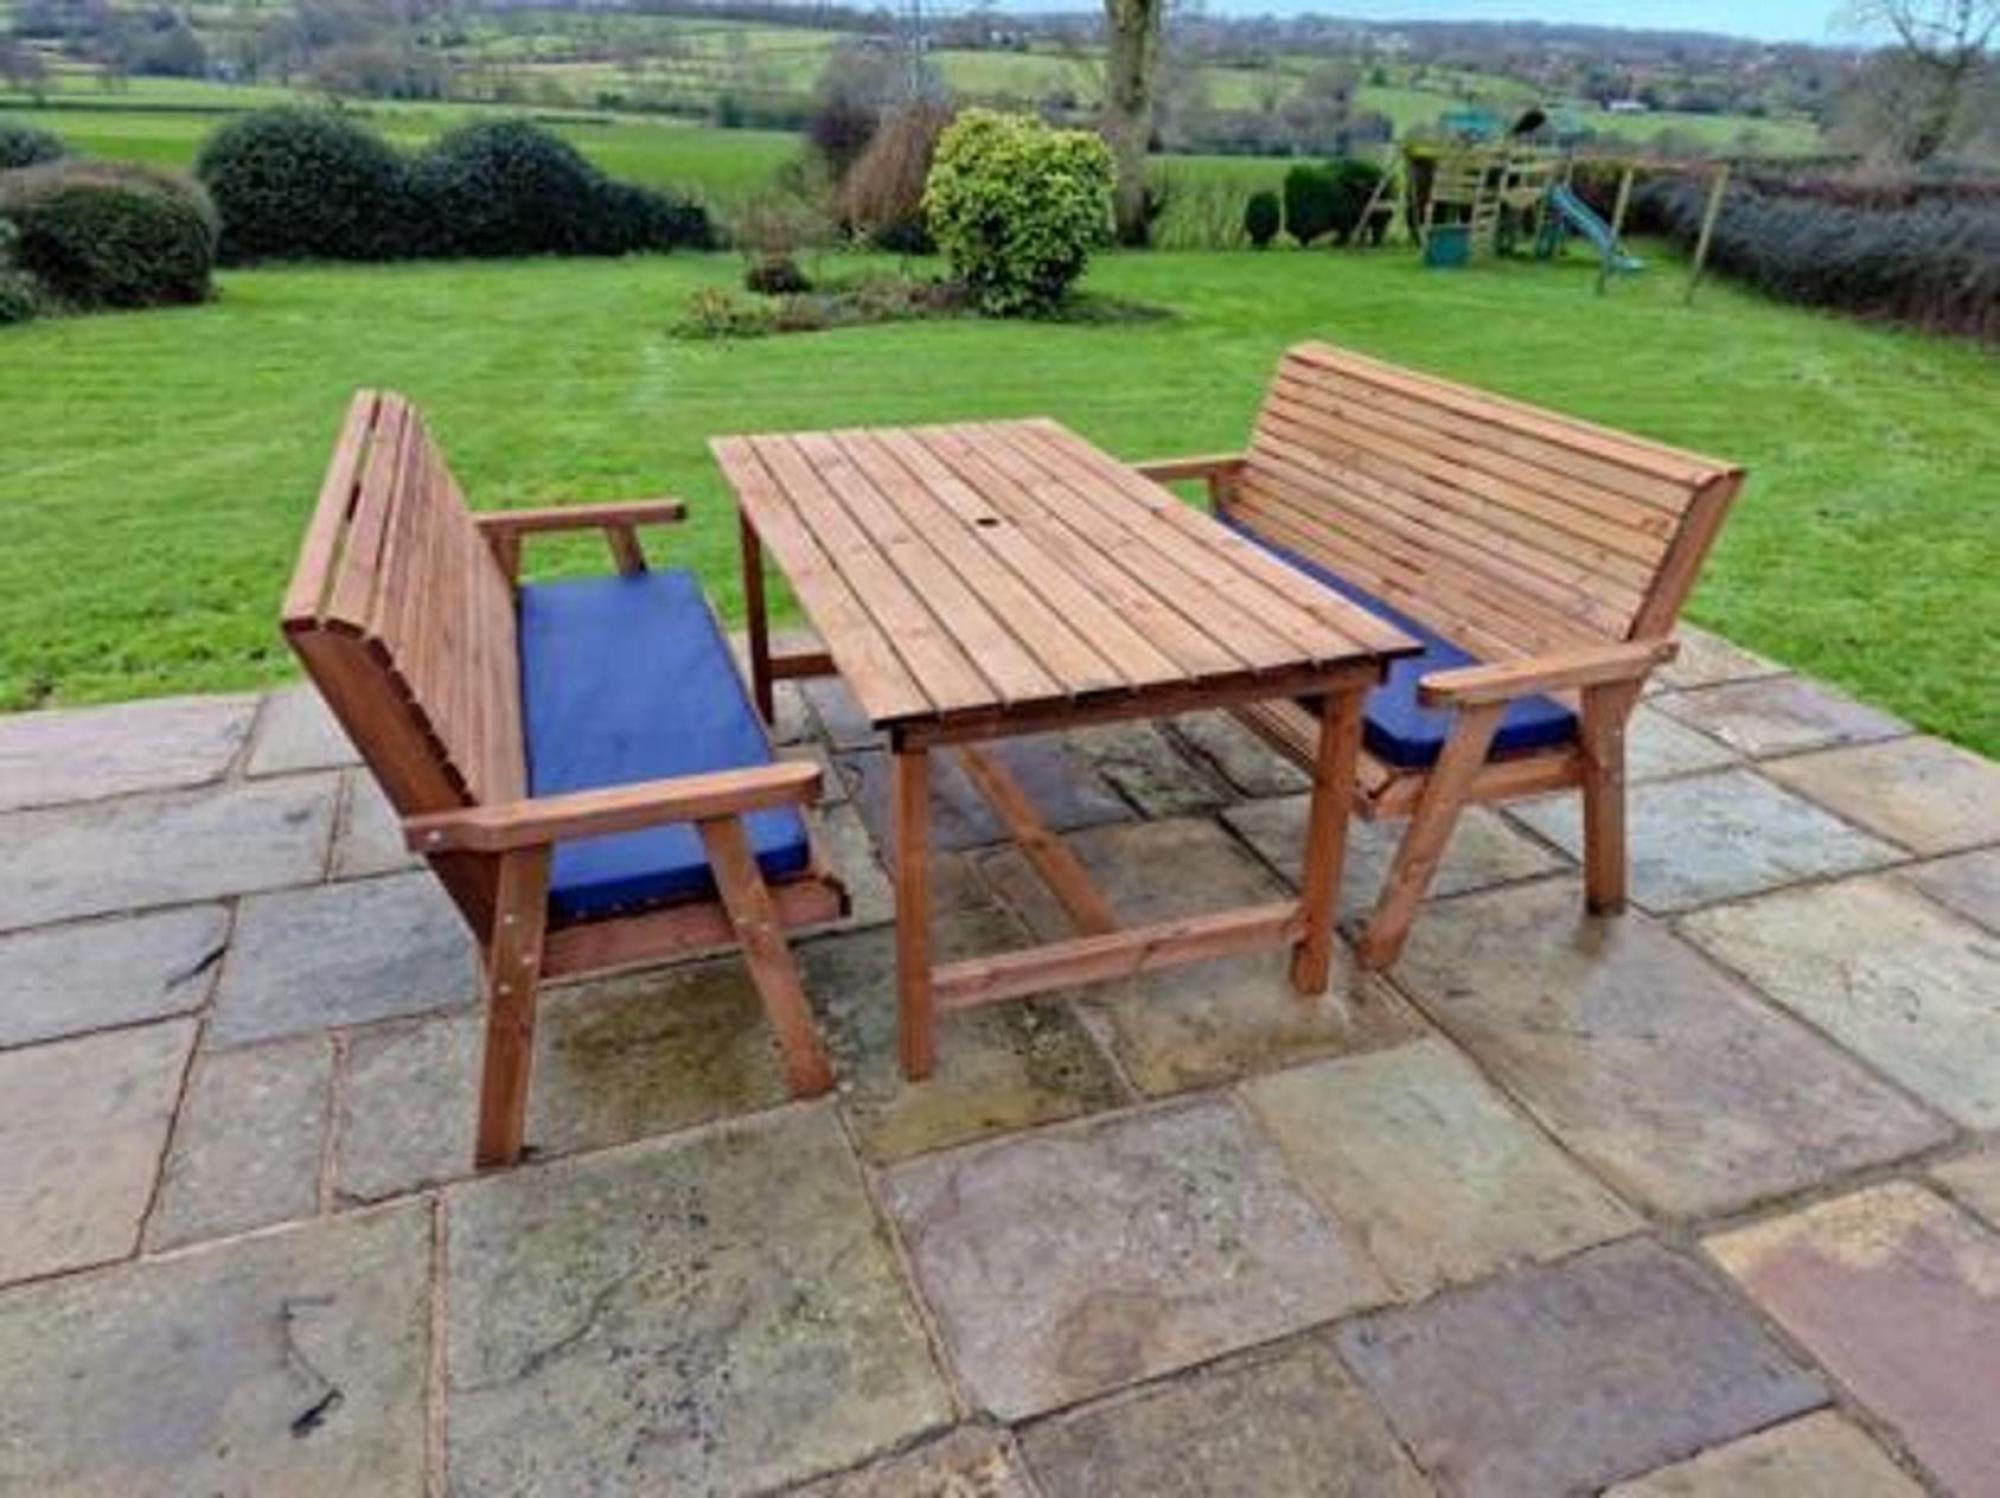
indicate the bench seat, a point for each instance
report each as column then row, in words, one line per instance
column 624, row 679
column 1397, row 728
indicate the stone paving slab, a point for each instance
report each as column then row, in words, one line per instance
column 1208, row 1022
column 716, row 1314
column 73, row 861
column 1715, row 837
column 1067, row 1263
column 1249, row 764
column 1706, row 659
column 1928, row 795
column 291, row 1363
column 64, row 980
column 1894, row 979
column 1975, row 1180
column 1559, row 1378
column 1139, row 761
column 86, row 754
column 1657, row 746
column 1820, row 1456
column 1290, row 1421
column 973, row 1461
column 297, row 731
column 871, row 899
column 1429, row 1168
column 83, row 1124
column 342, row 954
column 999, row 1067
column 616, row 1059
column 1780, row 715
column 1683, row 1089
column 1897, row 1294
column 1484, row 850
column 246, row 1149
column 369, row 838
column 1968, row 884
column 1060, row 783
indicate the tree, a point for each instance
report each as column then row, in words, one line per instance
column 1941, row 48
column 1131, row 75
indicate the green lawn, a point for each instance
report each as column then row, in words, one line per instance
column 157, row 467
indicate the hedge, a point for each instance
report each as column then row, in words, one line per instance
column 105, row 234
column 306, row 184
column 1936, row 265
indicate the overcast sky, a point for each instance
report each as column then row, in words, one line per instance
column 1778, row 20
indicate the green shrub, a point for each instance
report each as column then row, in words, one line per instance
column 105, row 234
column 1312, row 201
column 1354, row 183
column 1018, row 207
column 18, row 301
column 306, row 184
column 776, row 275
column 1262, row 218
column 24, row 145
column 510, row 187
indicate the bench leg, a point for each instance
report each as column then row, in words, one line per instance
column 1417, row 857
column 1605, row 712
column 916, row 1022
column 765, row 952
column 1326, row 838
column 513, row 975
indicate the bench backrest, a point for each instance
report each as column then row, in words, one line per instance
column 1511, row 530
column 405, row 620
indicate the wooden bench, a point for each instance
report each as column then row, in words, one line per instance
column 578, row 760
column 1542, row 559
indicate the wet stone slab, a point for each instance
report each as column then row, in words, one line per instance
column 1968, row 884
column 1250, row 765
column 1484, row 850
column 85, row 754
column 1060, row 784
column 1930, row 796
column 1897, row 1294
column 297, row 731
column 342, row 954
column 1706, row 659
column 1715, row 837
column 1283, row 1422
column 369, row 837
column 1820, row 1456
column 974, row 1461
column 1206, row 1022
column 1781, row 715
column 999, row 1066
column 1673, row 1082
column 1120, row 1250
column 163, row 850
column 1140, row 762
column 1429, row 1167
column 246, row 1149
column 1644, row 1357
column 63, row 980
column 1882, row 970
column 288, row 1363
column 715, row 1315
column 616, row 1059
column 83, row 1124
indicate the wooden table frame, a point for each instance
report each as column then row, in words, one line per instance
column 1337, row 676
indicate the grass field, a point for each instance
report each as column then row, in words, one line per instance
column 158, row 466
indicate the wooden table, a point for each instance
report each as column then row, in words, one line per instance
column 980, row 580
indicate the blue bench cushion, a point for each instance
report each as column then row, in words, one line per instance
column 626, row 679
column 1397, row 728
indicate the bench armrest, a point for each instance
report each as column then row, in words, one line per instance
column 1173, row 470
column 580, row 517
column 1590, row 666
column 621, row 808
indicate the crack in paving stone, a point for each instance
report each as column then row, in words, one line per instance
column 313, row 1416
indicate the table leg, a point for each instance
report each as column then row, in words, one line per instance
column 759, row 618
column 915, row 1017
column 1326, row 837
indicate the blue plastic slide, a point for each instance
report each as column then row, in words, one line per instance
column 1581, row 217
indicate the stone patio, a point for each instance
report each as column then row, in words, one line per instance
column 1703, row 1201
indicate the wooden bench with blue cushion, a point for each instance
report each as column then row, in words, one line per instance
column 579, row 760
column 1542, row 560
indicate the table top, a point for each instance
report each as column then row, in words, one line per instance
column 982, row 568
